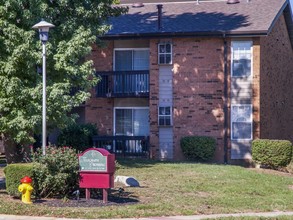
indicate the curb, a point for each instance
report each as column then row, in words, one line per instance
column 192, row 217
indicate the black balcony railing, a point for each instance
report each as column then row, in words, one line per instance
column 123, row 84
column 125, row 146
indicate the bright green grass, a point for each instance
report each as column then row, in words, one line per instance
column 181, row 189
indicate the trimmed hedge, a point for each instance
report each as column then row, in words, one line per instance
column 272, row 153
column 198, row 147
column 14, row 173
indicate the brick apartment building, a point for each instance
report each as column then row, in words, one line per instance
column 171, row 69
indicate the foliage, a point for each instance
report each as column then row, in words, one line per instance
column 77, row 23
column 198, row 147
column 14, row 173
column 289, row 167
column 272, row 153
column 117, row 165
column 173, row 189
column 56, row 173
column 78, row 136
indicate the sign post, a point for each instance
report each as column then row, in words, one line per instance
column 97, row 168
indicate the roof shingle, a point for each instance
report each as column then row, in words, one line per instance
column 207, row 18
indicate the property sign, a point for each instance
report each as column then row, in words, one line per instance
column 93, row 161
column 97, row 168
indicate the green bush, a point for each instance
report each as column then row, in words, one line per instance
column 272, row 153
column 198, row 147
column 78, row 136
column 56, row 173
column 14, row 173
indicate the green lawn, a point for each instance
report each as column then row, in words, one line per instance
column 254, row 218
column 181, row 189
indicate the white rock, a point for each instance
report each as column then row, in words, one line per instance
column 127, row 181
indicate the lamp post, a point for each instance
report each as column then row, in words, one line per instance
column 44, row 27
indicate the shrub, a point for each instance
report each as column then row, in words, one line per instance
column 198, row 147
column 78, row 136
column 14, row 173
column 272, row 153
column 56, row 173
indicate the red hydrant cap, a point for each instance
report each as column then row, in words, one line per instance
column 26, row 179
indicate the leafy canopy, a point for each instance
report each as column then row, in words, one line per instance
column 77, row 23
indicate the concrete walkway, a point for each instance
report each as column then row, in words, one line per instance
column 193, row 217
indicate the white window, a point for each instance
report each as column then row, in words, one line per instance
column 131, row 59
column 165, row 116
column 241, row 59
column 132, row 121
column 165, row 53
column 241, row 122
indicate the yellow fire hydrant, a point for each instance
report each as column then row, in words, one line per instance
column 26, row 189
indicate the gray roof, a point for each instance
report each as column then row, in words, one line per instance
column 254, row 17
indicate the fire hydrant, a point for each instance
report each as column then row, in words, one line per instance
column 26, row 189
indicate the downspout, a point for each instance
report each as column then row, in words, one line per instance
column 225, row 101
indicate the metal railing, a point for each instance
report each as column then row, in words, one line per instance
column 125, row 146
column 123, row 84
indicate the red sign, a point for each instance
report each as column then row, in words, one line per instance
column 97, row 167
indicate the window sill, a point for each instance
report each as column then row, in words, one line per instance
column 165, row 126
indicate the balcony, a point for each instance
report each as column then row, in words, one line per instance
column 123, row 84
column 124, row 146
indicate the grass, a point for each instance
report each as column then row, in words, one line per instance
column 254, row 218
column 181, row 189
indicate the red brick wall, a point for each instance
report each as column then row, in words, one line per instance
column 154, row 99
column 256, row 87
column 198, row 88
column 100, row 110
column 103, row 56
column 276, row 83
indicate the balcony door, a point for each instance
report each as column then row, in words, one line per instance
column 127, row 60
column 132, row 121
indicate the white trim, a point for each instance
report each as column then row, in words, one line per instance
column 171, row 52
column 114, row 115
column 232, row 53
column 250, row 121
column 171, row 116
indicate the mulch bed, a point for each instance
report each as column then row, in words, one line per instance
column 85, row 203
column 114, row 199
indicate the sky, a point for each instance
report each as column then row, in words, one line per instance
column 291, row 3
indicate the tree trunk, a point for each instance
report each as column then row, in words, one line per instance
column 15, row 153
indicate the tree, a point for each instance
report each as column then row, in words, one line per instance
column 77, row 23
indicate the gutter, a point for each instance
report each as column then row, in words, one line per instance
column 183, row 34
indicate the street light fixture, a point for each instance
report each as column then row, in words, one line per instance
column 44, row 27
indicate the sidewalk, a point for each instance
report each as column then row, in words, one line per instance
column 193, row 217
